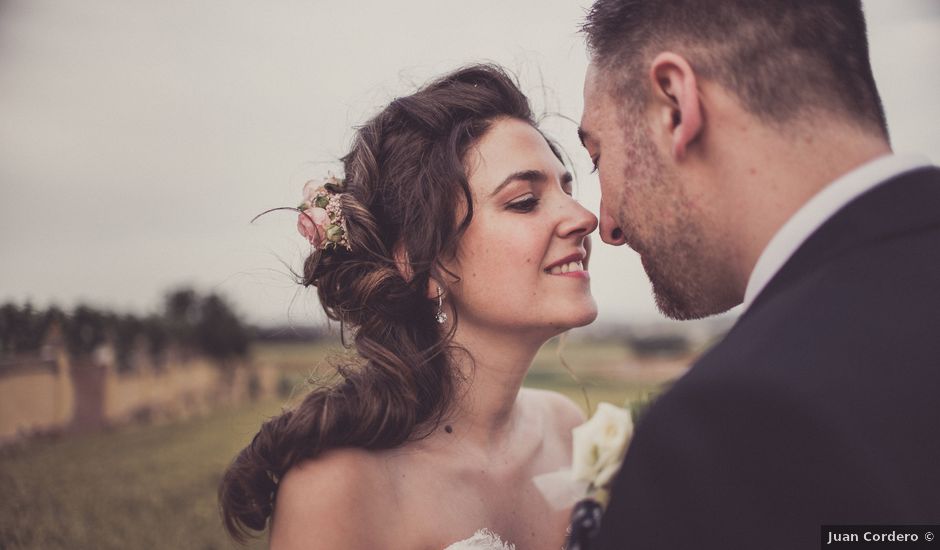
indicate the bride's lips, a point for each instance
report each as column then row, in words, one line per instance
column 573, row 265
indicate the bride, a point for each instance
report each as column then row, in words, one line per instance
column 452, row 249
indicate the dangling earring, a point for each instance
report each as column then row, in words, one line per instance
column 441, row 317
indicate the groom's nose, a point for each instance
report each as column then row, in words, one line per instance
column 610, row 229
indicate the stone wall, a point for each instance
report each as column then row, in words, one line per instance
column 51, row 392
column 36, row 395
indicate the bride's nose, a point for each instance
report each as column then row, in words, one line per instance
column 577, row 221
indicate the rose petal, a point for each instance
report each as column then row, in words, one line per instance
column 600, row 443
column 308, row 229
column 584, row 462
column 311, row 188
column 605, row 476
column 319, row 215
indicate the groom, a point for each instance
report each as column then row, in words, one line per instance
column 743, row 153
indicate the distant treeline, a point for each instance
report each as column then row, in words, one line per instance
column 189, row 322
column 295, row 333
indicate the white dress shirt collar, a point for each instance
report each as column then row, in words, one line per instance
column 820, row 208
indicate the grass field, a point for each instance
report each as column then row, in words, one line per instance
column 153, row 486
column 138, row 487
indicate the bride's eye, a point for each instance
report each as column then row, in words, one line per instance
column 527, row 204
column 595, row 160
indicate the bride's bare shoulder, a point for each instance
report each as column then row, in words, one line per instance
column 562, row 412
column 332, row 501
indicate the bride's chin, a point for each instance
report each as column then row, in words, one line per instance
column 587, row 319
column 589, row 313
column 582, row 318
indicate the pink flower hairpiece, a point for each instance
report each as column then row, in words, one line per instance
column 320, row 219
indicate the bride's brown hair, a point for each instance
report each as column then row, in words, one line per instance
column 405, row 183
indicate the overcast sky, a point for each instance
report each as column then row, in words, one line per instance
column 137, row 139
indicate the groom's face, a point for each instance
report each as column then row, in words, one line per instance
column 646, row 204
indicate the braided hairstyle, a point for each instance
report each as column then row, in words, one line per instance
column 405, row 182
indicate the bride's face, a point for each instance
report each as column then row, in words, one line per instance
column 523, row 259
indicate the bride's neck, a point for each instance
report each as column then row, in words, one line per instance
column 493, row 374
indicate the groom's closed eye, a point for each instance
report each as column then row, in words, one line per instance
column 585, row 136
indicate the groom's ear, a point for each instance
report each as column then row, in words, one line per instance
column 676, row 99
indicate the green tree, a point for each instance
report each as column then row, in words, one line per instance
column 219, row 331
column 158, row 338
column 181, row 314
column 21, row 329
column 127, row 329
column 86, row 330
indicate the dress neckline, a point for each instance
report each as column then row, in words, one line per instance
column 484, row 539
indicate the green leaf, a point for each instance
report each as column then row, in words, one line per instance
column 334, row 233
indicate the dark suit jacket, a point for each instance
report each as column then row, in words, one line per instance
column 820, row 406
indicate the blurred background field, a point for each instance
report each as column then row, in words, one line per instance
column 152, row 484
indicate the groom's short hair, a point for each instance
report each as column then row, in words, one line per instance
column 780, row 57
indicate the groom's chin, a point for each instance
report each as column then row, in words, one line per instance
column 685, row 297
column 668, row 305
column 683, row 308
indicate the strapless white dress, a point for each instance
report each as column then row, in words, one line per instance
column 484, row 539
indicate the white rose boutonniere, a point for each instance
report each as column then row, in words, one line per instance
column 599, row 447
